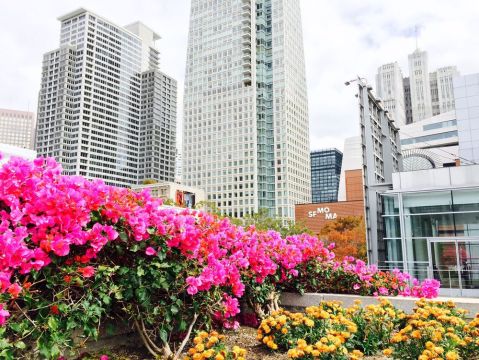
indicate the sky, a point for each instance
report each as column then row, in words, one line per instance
column 343, row 39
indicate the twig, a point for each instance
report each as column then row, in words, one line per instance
column 25, row 314
column 187, row 337
column 145, row 342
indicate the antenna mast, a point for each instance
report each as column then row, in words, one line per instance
column 416, row 30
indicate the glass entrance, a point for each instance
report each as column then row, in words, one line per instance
column 455, row 263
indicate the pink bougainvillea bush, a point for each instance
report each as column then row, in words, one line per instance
column 76, row 252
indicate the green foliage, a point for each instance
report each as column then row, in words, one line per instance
column 262, row 221
column 149, row 291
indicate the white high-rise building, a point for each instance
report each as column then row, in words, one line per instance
column 17, row 128
column 246, row 128
column 420, row 85
column 105, row 111
column 390, row 88
column 445, row 87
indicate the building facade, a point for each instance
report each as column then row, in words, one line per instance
column 421, row 101
column 180, row 195
column 17, row 128
column 390, row 88
column 381, row 155
column 407, row 100
column 352, row 160
column 91, row 112
column 431, row 222
column 157, row 157
column 246, row 127
column 325, row 175
column 421, row 95
column 430, row 143
column 466, row 93
column 315, row 216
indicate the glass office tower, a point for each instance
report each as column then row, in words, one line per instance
column 325, row 175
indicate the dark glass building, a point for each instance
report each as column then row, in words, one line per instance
column 325, row 174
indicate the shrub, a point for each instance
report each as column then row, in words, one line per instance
column 323, row 332
column 436, row 330
column 79, row 252
column 211, row 346
column 375, row 324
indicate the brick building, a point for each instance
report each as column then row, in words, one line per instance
column 315, row 216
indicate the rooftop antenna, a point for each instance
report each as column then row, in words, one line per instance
column 416, row 31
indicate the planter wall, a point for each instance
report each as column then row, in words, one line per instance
column 297, row 301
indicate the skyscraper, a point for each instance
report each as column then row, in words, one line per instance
column 92, row 113
column 325, row 174
column 420, row 85
column 17, row 128
column 390, row 88
column 246, row 131
column 421, row 95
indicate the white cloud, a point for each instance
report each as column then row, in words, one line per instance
column 342, row 39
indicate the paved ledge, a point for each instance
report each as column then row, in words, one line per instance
column 406, row 304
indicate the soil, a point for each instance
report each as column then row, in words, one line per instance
column 245, row 337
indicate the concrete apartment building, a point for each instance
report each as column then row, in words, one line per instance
column 381, row 156
column 105, row 111
column 246, row 126
column 17, row 128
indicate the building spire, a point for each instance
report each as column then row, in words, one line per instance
column 416, row 31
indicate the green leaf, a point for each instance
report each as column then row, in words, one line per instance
column 52, row 323
column 140, row 272
column 164, row 335
column 183, row 325
column 20, row 345
column 151, row 230
column 174, row 309
column 106, row 299
column 123, row 236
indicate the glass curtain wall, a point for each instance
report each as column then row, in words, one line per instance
column 449, row 220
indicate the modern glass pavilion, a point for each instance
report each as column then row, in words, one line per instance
column 431, row 226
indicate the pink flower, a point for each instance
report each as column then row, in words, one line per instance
column 356, row 286
column 4, row 314
column 231, row 325
column 87, row 271
column 231, row 306
column 150, row 251
column 104, row 357
column 383, row 291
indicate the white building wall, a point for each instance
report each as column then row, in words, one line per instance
column 17, row 128
column 390, row 88
column 420, row 85
column 445, row 76
column 352, row 160
column 466, row 93
column 291, row 119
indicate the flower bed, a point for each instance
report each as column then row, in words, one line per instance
column 76, row 252
column 435, row 330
